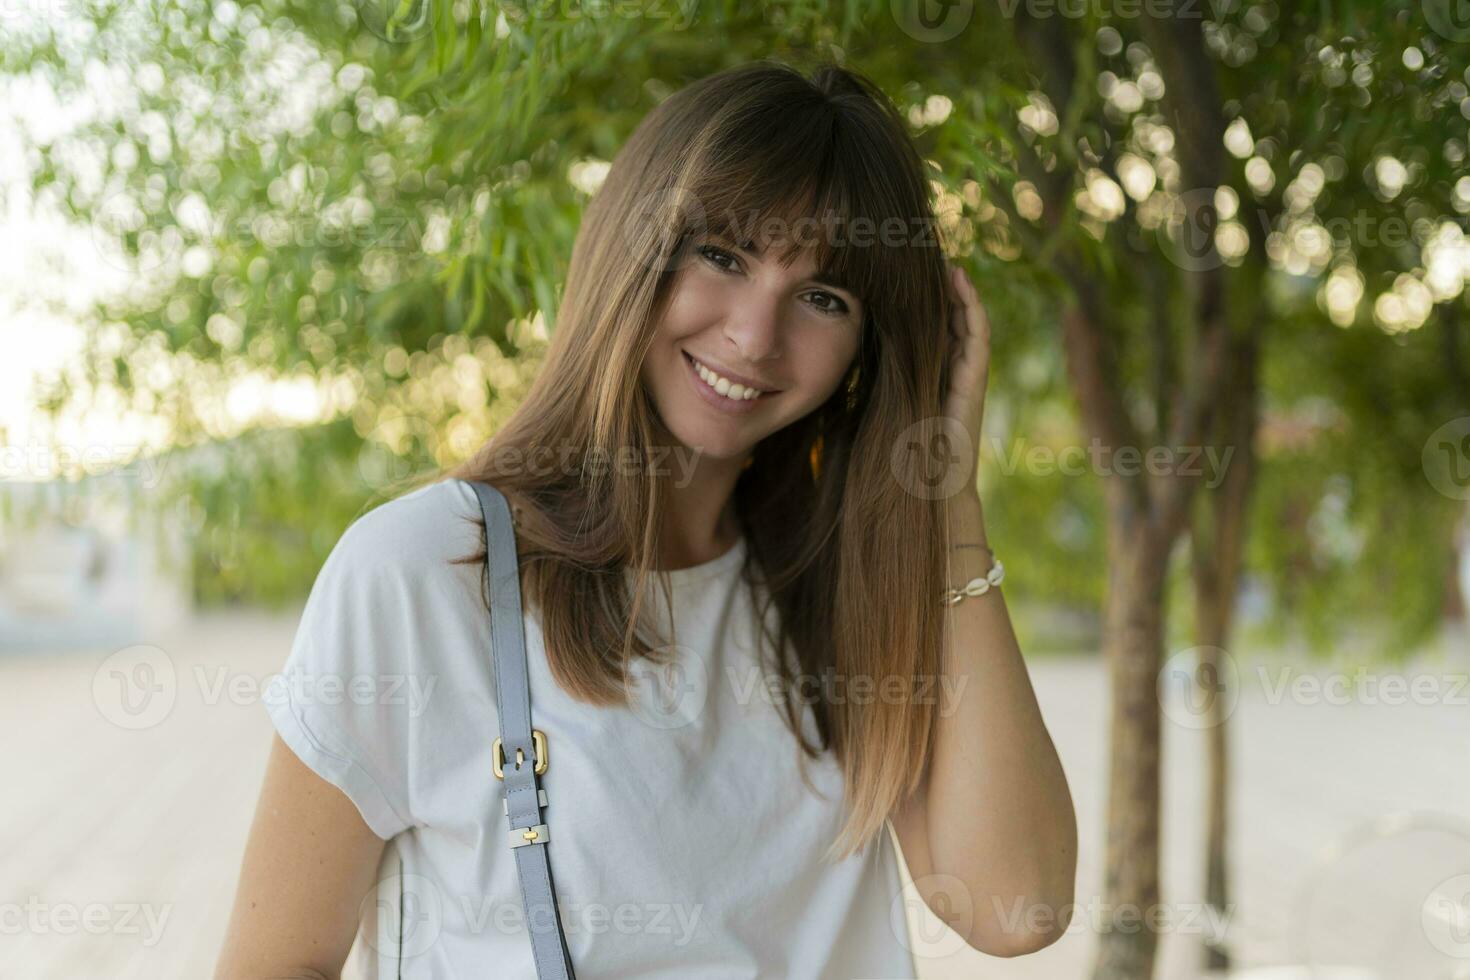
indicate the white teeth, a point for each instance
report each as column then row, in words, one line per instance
column 734, row 392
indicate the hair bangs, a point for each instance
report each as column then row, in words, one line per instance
column 801, row 187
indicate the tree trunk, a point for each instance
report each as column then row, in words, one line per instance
column 1134, row 651
column 1214, row 587
column 1217, row 540
column 1217, row 882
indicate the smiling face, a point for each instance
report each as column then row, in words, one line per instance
column 746, row 346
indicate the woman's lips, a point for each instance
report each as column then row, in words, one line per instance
column 716, row 400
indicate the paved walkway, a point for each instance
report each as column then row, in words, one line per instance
column 123, row 825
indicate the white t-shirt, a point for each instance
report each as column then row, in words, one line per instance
column 683, row 841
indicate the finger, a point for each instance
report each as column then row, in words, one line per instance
column 979, row 320
column 958, row 325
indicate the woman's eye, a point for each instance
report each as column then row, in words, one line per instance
column 715, row 256
column 835, row 306
column 823, row 301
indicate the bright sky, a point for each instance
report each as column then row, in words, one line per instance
column 51, row 273
column 38, row 259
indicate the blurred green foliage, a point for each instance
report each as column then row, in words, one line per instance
column 384, row 203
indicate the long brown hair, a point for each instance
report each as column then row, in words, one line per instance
column 851, row 555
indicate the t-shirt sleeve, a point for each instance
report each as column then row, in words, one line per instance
column 343, row 701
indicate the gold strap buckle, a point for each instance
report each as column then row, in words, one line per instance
column 538, row 834
column 538, row 745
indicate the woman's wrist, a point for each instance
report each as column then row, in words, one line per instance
column 969, row 547
column 966, row 519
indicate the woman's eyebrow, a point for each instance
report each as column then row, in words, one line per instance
column 748, row 247
column 829, row 279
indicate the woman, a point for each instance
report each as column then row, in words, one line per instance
column 755, row 431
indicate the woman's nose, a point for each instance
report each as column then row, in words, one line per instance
column 754, row 326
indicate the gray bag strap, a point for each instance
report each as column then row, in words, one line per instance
column 520, row 753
